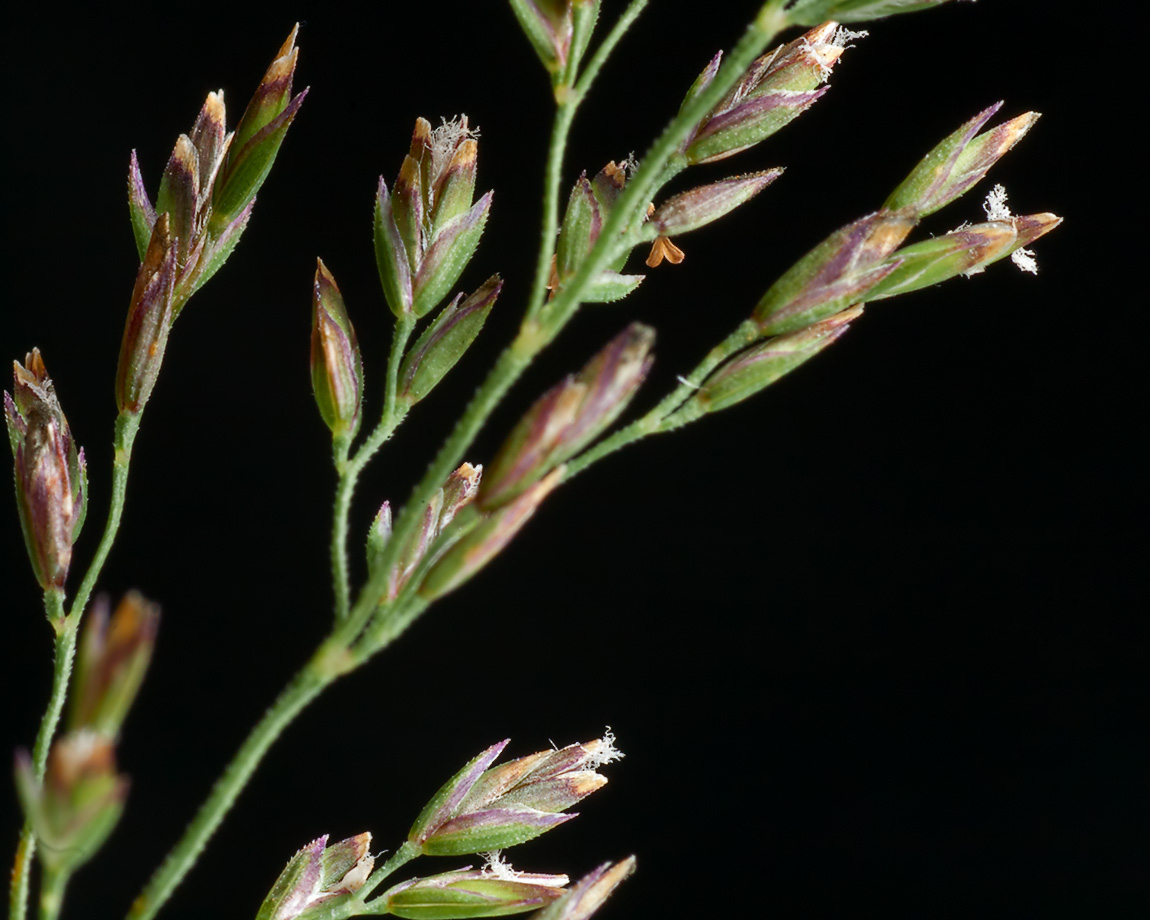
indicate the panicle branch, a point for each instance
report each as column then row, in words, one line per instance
column 426, row 229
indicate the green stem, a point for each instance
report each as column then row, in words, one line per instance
column 604, row 51
column 127, row 425
column 657, row 168
column 661, row 162
column 400, row 858
column 507, row 369
column 560, row 130
column 330, row 662
column 568, row 105
column 350, row 469
column 661, row 418
column 322, row 670
column 744, row 335
column 333, row 658
column 400, row 612
column 664, row 159
column 66, row 626
column 636, row 431
column 61, row 671
column 356, row 907
column 339, row 562
column 388, row 627
column 659, row 165
column 52, row 887
column 21, row 868
column 403, row 328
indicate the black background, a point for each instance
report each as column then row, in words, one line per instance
column 882, row 627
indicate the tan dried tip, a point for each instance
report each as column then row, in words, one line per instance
column 289, row 44
column 822, row 44
column 821, row 34
column 215, row 105
column 322, row 271
column 130, row 619
column 282, row 68
column 1038, row 224
column 34, row 366
column 588, row 901
column 185, row 156
column 420, row 137
column 1016, row 129
column 465, row 155
column 662, row 249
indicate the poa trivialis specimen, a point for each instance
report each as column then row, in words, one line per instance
column 603, row 232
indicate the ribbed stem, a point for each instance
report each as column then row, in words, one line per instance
column 661, row 162
column 334, row 656
column 127, row 426
column 552, row 179
column 52, row 887
column 660, row 419
column 66, row 626
column 303, row 688
column 350, row 468
column 400, row 858
column 338, row 549
column 568, row 105
column 61, row 671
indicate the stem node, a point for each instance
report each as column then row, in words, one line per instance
column 332, row 660
column 532, row 337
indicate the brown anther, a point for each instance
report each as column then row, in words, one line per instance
column 662, row 249
column 650, row 210
column 613, row 172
